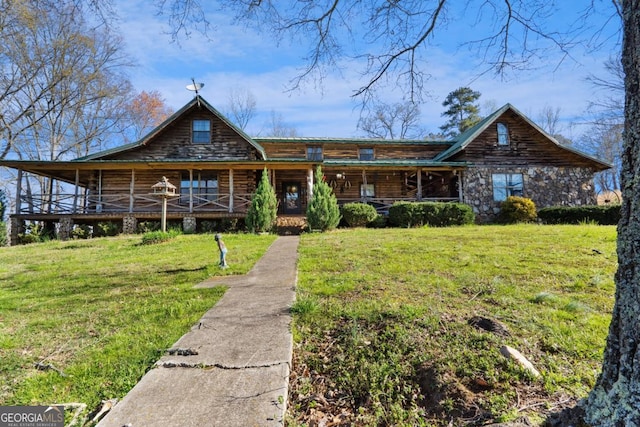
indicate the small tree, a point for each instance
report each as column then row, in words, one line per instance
column 323, row 212
column 261, row 217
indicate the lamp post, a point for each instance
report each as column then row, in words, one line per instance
column 164, row 189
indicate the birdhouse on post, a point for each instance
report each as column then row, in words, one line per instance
column 164, row 189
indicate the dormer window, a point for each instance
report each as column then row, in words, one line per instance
column 365, row 153
column 314, row 153
column 201, row 132
column 503, row 134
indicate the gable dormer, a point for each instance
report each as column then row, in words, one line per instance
column 508, row 137
column 196, row 132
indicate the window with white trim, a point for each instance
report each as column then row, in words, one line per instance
column 507, row 184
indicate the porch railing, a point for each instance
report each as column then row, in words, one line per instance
column 125, row 203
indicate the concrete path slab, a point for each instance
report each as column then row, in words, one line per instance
column 240, row 374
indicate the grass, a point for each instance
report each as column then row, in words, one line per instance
column 381, row 322
column 101, row 312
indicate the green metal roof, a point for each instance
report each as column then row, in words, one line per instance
column 359, row 141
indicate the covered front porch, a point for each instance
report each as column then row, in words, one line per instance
column 210, row 192
column 380, row 188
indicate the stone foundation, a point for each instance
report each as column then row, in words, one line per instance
column 189, row 224
column 129, row 224
column 546, row 186
column 15, row 228
column 65, row 227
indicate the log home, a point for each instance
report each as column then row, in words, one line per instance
column 215, row 167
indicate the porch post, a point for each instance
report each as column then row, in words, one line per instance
column 131, row 189
column 364, row 184
column 49, row 196
column 18, row 191
column 75, row 194
column 230, row 190
column 460, row 192
column 99, row 205
column 190, row 190
column 419, row 178
column 309, row 184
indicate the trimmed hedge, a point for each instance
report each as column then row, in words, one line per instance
column 358, row 214
column 603, row 215
column 435, row 214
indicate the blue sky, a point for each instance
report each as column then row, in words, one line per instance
column 239, row 57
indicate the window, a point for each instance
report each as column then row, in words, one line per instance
column 365, row 153
column 201, row 132
column 503, row 134
column 506, row 184
column 367, row 190
column 314, row 153
column 204, row 187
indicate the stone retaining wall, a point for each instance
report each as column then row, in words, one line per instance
column 546, row 186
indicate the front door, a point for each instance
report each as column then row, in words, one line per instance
column 291, row 197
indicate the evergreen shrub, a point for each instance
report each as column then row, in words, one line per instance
column 435, row 214
column 603, row 215
column 323, row 212
column 358, row 214
column 262, row 214
column 517, row 209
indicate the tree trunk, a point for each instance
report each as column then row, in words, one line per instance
column 615, row 399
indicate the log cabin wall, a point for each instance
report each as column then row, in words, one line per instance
column 174, row 142
column 408, row 151
column 527, row 146
column 116, row 186
column 282, row 150
column 350, row 150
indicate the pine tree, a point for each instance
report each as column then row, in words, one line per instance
column 463, row 112
column 323, row 212
column 261, row 217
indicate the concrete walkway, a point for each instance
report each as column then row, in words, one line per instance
column 240, row 374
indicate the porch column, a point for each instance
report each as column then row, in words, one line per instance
column 49, row 195
column 190, row 190
column 364, row 184
column 99, row 204
column 460, row 192
column 419, row 178
column 75, row 194
column 131, row 190
column 18, row 193
column 230, row 190
column 309, row 184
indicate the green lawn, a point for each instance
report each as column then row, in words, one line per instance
column 380, row 323
column 382, row 327
column 102, row 311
